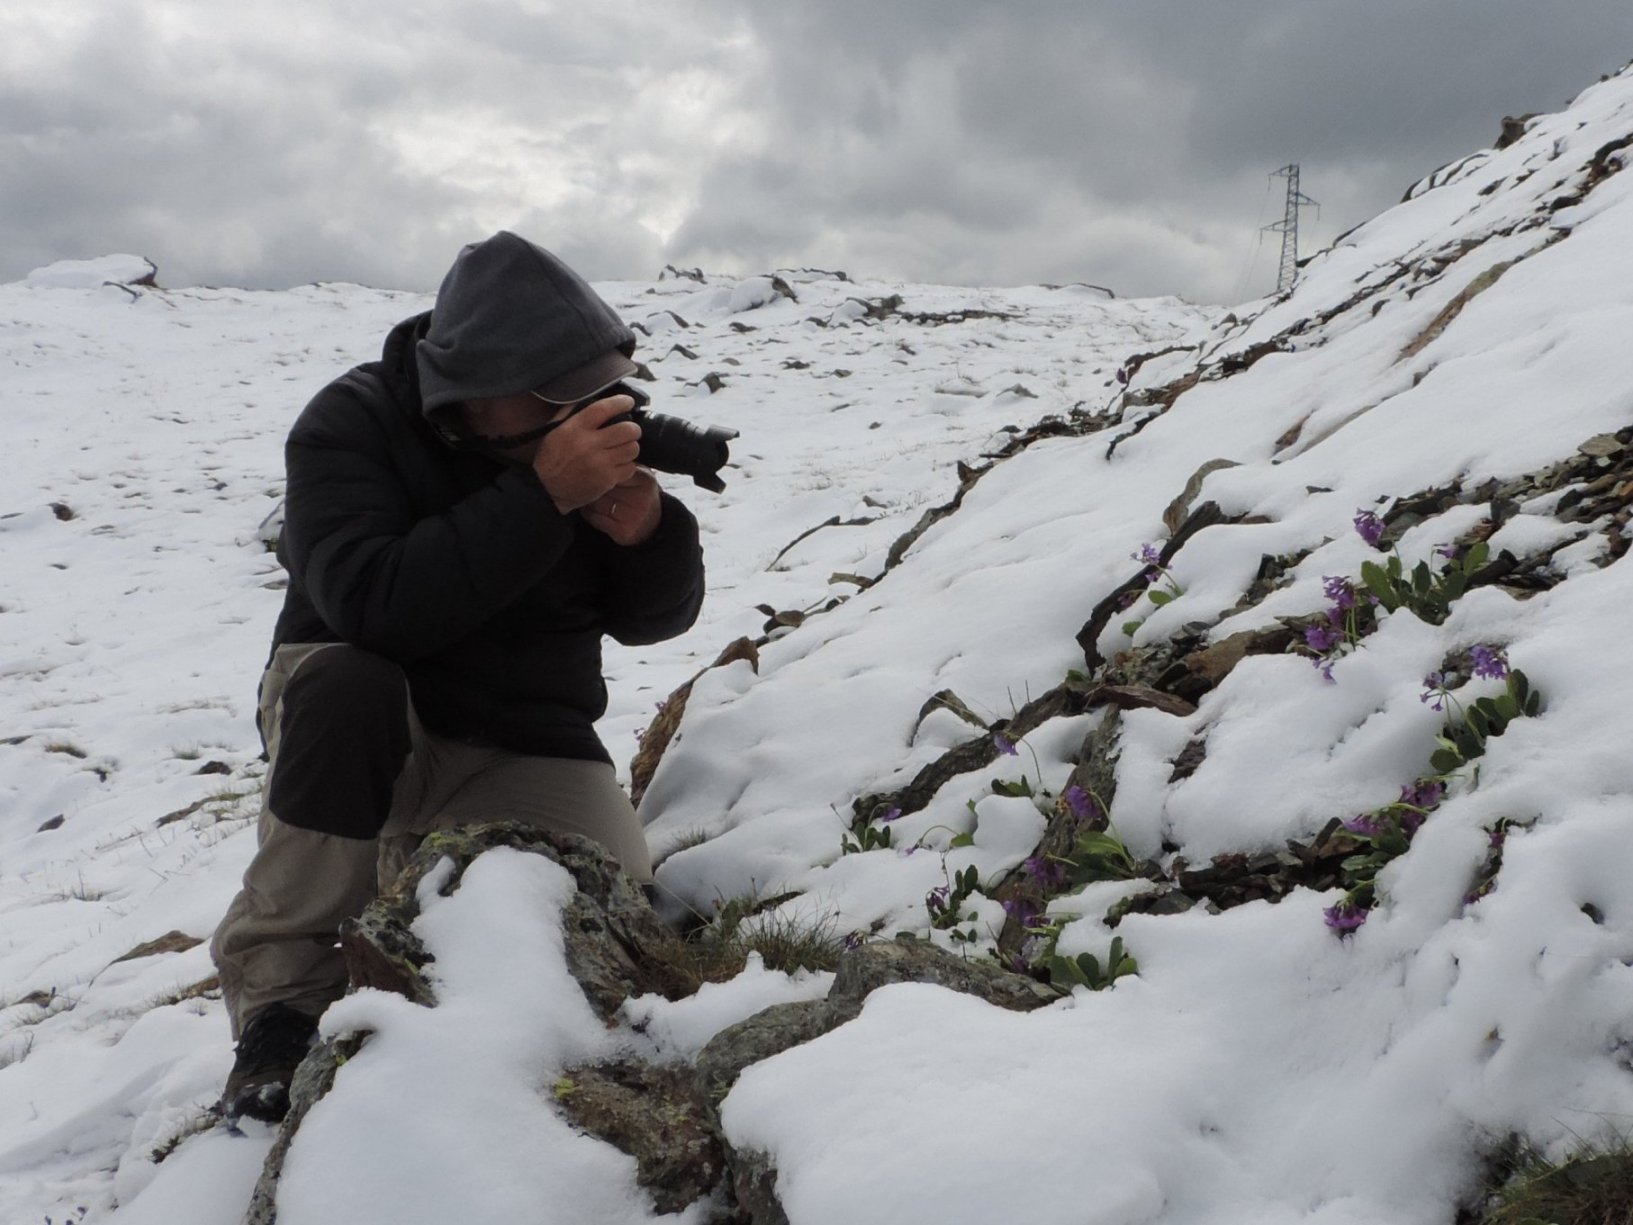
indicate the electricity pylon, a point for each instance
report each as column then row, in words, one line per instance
column 1287, row 227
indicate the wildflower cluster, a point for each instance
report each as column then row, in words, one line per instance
column 1387, row 832
column 1425, row 593
column 1160, row 587
column 1337, row 629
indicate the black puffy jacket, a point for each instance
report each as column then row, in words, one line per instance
column 459, row 567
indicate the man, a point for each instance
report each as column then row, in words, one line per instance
column 464, row 519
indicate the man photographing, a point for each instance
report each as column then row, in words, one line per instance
column 465, row 518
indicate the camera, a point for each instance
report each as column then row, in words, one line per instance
column 668, row 444
column 673, row 445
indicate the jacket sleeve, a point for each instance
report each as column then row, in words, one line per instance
column 389, row 582
column 656, row 588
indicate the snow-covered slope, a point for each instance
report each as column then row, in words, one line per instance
column 144, row 451
column 1455, row 366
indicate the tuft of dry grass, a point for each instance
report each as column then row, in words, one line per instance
column 719, row 950
column 1592, row 1187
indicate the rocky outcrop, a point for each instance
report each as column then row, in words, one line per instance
column 662, row 1114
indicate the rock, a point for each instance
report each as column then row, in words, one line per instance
column 170, row 942
column 1136, row 697
column 1173, row 518
column 655, row 739
column 51, row 823
column 658, row 1115
column 616, row 947
column 771, row 1031
column 754, row 1179
column 906, row 960
column 1513, row 129
column 1601, row 446
column 313, row 1079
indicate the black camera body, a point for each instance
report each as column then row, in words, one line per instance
column 673, row 445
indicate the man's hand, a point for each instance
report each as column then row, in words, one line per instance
column 583, row 458
column 630, row 511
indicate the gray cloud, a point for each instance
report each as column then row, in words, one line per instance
column 945, row 140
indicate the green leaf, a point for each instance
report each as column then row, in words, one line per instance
column 1476, row 559
column 1160, row 597
column 1129, row 627
column 1506, row 707
column 1019, row 787
column 1469, row 742
column 1377, row 582
column 1422, row 580
column 1394, row 565
column 1444, row 761
column 1479, row 720
column 1065, row 973
column 960, row 840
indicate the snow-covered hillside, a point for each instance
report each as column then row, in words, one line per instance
column 975, row 627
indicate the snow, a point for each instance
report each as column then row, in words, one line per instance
column 1256, row 1068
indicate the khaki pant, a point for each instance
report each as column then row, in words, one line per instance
column 277, row 942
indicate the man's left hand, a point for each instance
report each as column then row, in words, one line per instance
column 629, row 512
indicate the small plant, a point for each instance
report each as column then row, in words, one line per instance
column 1385, row 833
column 1160, row 587
column 1427, row 594
column 865, row 836
column 945, row 903
column 1085, row 970
column 1462, row 741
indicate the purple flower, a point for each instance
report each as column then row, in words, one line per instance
column 1368, row 824
column 1340, row 591
column 1045, row 872
column 1345, row 917
column 1006, row 746
column 1495, row 838
column 1448, row 551
column 1023, row 911
column 1369, row 526
column 1434, row 691
column 1489, row 662
column 1425, row 793
column 890, row 814
column 853, row 941
column 1324, row 666
column 1148, row 554
column 1080, row 803
column 937, row 898
column 1322, row 637
column 1127, row 600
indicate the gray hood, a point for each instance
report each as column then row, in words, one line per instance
column 511, row 317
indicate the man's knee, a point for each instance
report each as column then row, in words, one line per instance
column 343, row 737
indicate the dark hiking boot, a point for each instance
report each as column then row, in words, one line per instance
column 270, row 1048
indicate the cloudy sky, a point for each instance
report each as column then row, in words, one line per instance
column 1123, row 142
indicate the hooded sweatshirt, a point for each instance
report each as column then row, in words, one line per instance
column 455, row 564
